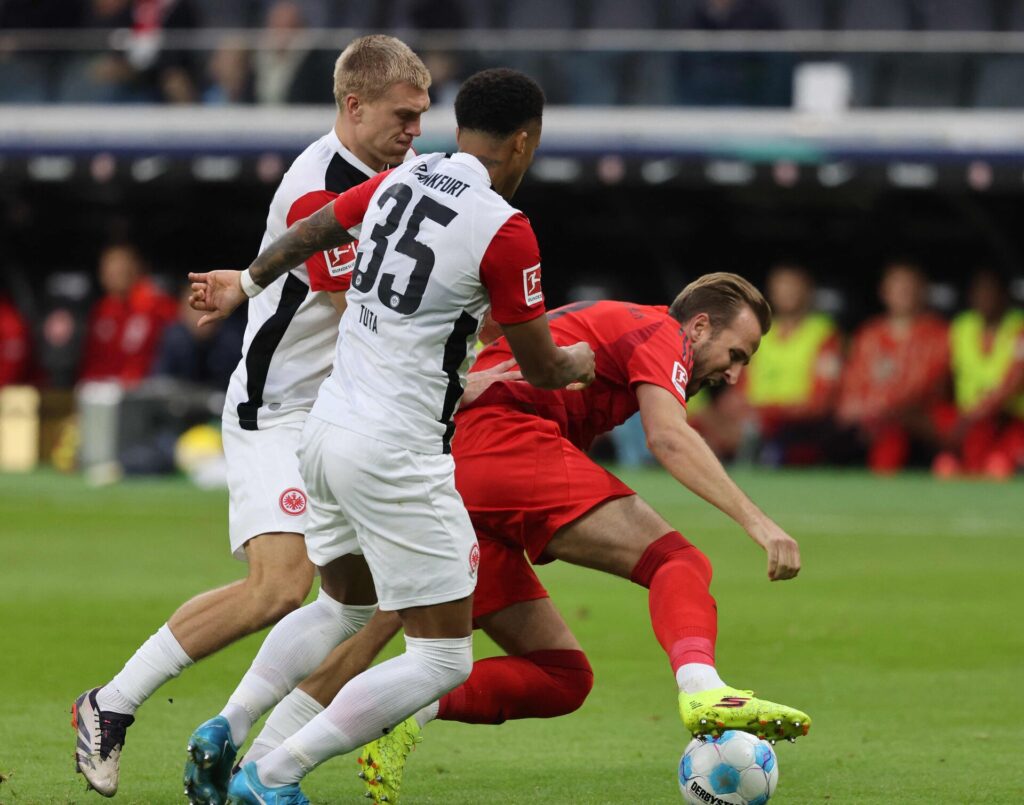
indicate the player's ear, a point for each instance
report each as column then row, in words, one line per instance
column 353, row 107
column 699, row 327
column 519, row 142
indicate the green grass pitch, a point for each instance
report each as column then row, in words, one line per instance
column 902, row 637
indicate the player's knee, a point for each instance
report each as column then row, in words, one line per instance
column 279, row 595
column 672, row 547
column 571, row 675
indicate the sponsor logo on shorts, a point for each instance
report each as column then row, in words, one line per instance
column 474, row 560
column 531, row 286
column 340, row 259
column 680, row 377
column 293, row 502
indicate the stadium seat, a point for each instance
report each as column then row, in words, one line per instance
column 22, row 80
column 540, row 15
column 923, row 82
column 804, row 15
column 957, row 15
column 636, row 14
column 1000, row 83
column 875, row 15
column 1015, row 15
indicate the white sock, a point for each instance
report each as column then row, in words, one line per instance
column 427, row 714
column 292, row 651
column 696, row 677
column 294, row 712
column 373, row 702
column 157, row 660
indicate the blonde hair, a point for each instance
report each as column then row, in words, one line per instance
column 721, row 295
column 370, row 65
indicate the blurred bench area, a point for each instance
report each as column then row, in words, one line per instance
column 861, row 160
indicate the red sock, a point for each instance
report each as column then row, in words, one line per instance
column 541, row 684
column 683, row 613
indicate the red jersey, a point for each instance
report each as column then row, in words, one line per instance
column 14, row 345
column 123, row 335
column 632, row 344
column 889, row 371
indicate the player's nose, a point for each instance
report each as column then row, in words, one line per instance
column 413, row 128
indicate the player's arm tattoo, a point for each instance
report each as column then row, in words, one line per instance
column 317, row 233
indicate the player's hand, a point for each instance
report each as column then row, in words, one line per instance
column 216, row 294
column 783, row 551
column 478, row 382
column 583, row 365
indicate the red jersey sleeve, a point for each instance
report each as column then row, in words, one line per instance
column 664, row 359
column 330, row 270
column 351, row 206
column 510, row 270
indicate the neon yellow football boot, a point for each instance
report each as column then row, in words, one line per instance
column 712, row 712
column 383, row 762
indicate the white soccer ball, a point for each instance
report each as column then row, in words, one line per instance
column 734, row 769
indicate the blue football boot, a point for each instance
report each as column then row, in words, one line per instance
column 211, row 752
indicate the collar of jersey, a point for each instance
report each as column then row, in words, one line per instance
column 472, row 163
column 349, row 157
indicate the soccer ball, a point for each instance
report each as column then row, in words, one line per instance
column 733, row 769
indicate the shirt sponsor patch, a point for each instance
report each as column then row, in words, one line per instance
column 531, row 286
column 680, row 378
column 340, row 259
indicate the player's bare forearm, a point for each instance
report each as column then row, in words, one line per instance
column 682, row 451
column 317, row 233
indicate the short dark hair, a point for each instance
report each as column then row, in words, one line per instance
column 721, row 296
column 499, row 102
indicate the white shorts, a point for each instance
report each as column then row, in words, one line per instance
column 398, row 507
column 266, row 492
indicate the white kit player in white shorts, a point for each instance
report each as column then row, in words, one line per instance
column 439, row 244
column 381, row 91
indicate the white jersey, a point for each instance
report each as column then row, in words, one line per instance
column 438, row 246
column 289, row 340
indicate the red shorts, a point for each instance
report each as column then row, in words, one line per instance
column 521, row 481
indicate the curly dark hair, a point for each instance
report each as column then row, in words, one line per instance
column 498, row 101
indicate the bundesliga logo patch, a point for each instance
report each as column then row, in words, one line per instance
column 531, row 286
column 293, row 502
column 340, row 259
column 680, row 378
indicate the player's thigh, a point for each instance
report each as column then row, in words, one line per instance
column 266, row 493
column 348, row 579
column 529, row 626
column 610, row 537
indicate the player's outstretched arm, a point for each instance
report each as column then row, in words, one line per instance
column 682, row 451
column 544, row 364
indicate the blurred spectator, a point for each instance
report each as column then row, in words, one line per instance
column 791, row 383
column 288, row 71
column 143, row 71
column 734, row 79
column 230, row 75
column 125, row 325
column 987, row 357
column 895, row 376
column 205, row 355
column 736, row 15
column 15, row 345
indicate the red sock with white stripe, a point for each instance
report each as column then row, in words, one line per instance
column 683, row 613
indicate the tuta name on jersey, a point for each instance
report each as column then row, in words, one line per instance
column 368, row 318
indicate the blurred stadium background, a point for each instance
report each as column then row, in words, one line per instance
column 683, row 136
column 824, row 144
